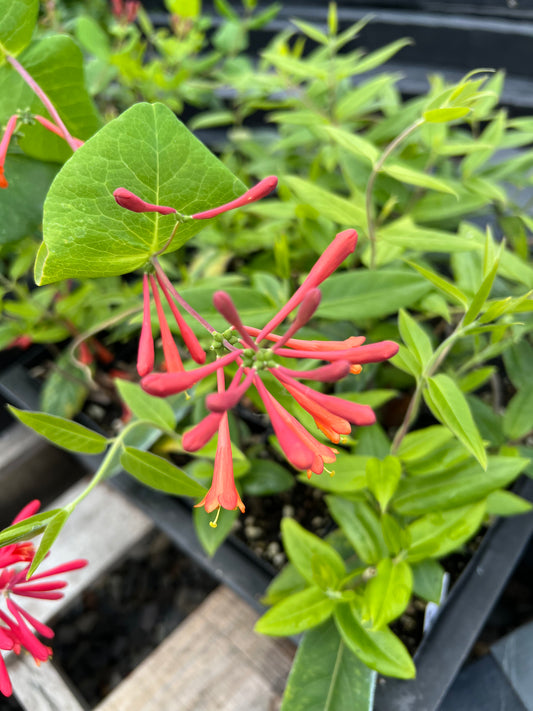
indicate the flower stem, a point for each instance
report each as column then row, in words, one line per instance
column 181, row 301
column 106, row 468
column 370, row 186
column 44, row 98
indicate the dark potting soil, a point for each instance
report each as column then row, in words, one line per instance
column 259, row 526
column 125, row 614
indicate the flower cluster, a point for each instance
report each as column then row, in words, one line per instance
column 256, row 353
column 16, row 633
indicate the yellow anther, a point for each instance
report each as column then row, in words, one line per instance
column 214, row 523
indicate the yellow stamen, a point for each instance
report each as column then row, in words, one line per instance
column 214, row 523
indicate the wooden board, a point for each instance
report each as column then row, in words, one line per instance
column 212, row 662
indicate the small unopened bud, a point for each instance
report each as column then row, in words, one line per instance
column 130, row 201
column 262, row 189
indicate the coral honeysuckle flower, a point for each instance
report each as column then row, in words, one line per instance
column 223, row 492
column 145, row 355
column 333, row 416
column 15, row 622
column 77, row 142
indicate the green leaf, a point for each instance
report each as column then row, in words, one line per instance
column 505, row 503
column 449, row 405
column 353, row 143
column 28, row 528
column 56, row 64
column 350, row 475
column 405, row 233
column 397, row 538
column 476, row 378
column 382, row 478
column 378, row 649
column 146, row 407
column 266, row 477
column 518, row 358
column 341, row 210
column 64, row 433
column 362, row 294
column 360, row 524
column 518, row 418
column 380, row 56
column 120, row 241
column 415, row 338
column 22, row 216
column 437, row 534
column 296, row 613
column 417, row 445
column 64, row 391
column 406, row 361
column 442, row 284
column 52, row 531
column 327, row 676
column 387, row 594
column 303, row 547
column 311, row 31
column 17, row 22
column 212, row 538
column 460, row 485
column 427, row 580
column 286, row 582
column 482, row 294
column 447, row 113
column 159, row 473
column 405, row 174
column 92, row 37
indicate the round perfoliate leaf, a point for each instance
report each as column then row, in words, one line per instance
column 148, row 151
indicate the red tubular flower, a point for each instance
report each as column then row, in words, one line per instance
column 173, row 360
column 262, row 189
column 145, row 354
column 223, row 492
column 4, row 144
column 50, row 126
column 19, row 628
column 133, row 203
column 164, row 384
column 332, row 257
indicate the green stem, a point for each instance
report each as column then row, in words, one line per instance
column 105, row 468
column 433, row 364
column 370, row 186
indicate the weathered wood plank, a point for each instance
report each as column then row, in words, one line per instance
column 40, row 689
column 212, row 662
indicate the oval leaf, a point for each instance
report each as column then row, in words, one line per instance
column 449, row 405
column 146, row 407
column 303, row 548
column 159, row 473
column 65, row 433
column 296, row 613
column 327, row 676
column 378, row 649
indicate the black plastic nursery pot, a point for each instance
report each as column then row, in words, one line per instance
column 443, row 648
